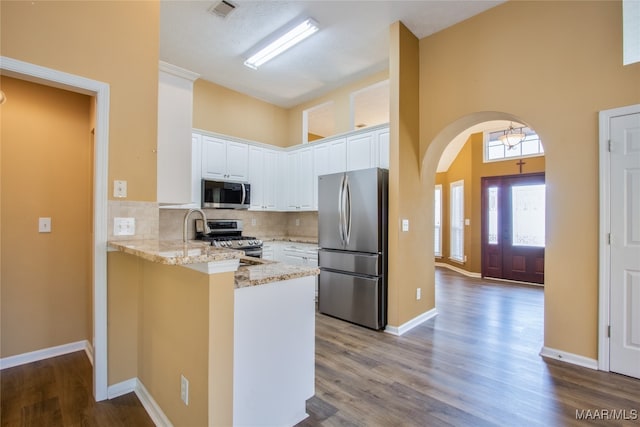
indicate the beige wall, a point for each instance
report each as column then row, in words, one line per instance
column 221, row 110
column 408, row 198
column 46, row 172
column 470, row 167
column 109, row 41
column 569, row 68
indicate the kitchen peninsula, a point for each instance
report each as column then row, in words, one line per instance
column 238, row 331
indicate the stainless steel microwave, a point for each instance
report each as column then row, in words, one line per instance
column 225, row 194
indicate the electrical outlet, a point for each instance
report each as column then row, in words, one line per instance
column 253, row 221
column 124, row 226
column 184, row 390
column 418, row 293
column 297, row 222
column 405, row 225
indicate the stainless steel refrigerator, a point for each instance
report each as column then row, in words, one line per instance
column 352, row 235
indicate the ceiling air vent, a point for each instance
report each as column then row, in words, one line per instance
column 222, row 8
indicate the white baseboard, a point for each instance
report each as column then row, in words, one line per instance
column 151, row 406
column 46, row 353
column 156, row 413
column 121, row 388
column 400, row 330
column 459, row 270
column 574, row 359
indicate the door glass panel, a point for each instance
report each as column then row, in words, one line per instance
column 493, row 216
column 528, row 210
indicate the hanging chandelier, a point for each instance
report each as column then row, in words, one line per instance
column 512, row 137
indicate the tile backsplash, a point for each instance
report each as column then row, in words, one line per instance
column 145, row 214
column 259, row 224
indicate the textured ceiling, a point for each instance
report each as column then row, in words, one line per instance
column 353, row 41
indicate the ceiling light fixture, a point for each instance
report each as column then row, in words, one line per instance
column 512, row 137
column 290, row 38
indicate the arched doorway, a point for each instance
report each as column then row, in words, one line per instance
column 490, row 202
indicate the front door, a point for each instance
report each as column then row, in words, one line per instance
column 513, row 227
column 624, row 350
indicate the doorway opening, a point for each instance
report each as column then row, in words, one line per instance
column 475, row 184
column 100, row 91
column 513, row 227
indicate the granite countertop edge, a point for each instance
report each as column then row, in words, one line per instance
column 292, row 239
column 175, row 252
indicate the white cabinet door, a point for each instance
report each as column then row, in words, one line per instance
column 263, row 177
column 361, row 151
column 237, row 161
column 328, row 157
column 271, row 179
column 383, row 148
column 257, row 177
column 224, row 159
column 305, row 177
column 299, row 180
column 214, row 158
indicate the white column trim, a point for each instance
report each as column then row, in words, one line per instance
column 100, row 90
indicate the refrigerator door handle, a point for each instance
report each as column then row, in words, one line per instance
column 347, row 216
column 341, row 210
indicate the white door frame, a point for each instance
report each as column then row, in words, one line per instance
column 47, row 76
column 604, row 250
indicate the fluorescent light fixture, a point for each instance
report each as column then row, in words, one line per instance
column 289, row 39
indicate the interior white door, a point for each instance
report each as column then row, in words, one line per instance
column 624, row 350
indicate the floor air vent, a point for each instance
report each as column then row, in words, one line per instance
column 222, row 8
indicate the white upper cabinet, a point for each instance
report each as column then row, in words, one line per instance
column 175, row 112
column 299, row 167
column 264, row 178
column 328, row 157
column 224, row 160
column 383, row 148
column 362, row 151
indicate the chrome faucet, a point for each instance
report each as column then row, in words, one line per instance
column 186, row 219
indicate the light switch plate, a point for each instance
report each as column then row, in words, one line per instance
column 405, row 225
column 119, row 189
column 44, row 225
column 124, row 226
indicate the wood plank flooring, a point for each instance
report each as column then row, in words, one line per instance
column 58, row 392
column 475, row 364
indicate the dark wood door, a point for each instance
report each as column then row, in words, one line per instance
column 513, row 214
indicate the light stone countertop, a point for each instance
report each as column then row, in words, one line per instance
column 175, row 252
column 254, row 272
column 292, row 239
column 251, row 272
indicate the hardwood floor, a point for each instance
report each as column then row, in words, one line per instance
column 58, row 392
column 475, row 364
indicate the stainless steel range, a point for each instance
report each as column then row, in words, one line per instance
column 227, row 233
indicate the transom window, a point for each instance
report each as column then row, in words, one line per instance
column 495, row 151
